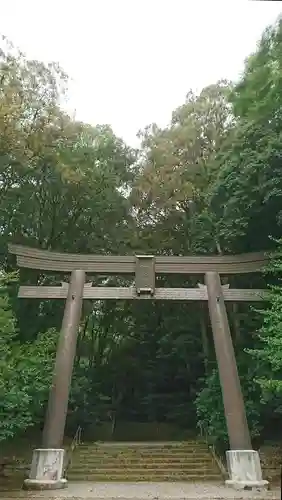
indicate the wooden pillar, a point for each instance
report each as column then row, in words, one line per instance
column 235, row 414
column 53, row 433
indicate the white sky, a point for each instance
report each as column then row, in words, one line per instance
column 133, row 61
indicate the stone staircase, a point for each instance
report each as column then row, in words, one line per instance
column 154, row 461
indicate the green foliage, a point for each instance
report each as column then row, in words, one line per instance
column 258, row 95
column 176, row 169
column 268, row 350
column 209, row 404
column 248, row 190
column 245, row 200
column 23, row 388
column 210, row 182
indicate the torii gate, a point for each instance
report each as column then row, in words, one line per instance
column 47, row 463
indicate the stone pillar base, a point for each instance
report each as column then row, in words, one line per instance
column 37, row 484
column 245, row 470
column 47, row 470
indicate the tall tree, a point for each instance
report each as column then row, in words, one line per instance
column 247, row 194
column 176, row 169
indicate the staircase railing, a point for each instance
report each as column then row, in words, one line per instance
column 75, row 442
column 219, row 462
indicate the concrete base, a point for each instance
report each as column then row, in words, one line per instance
column 36, row 484
column 245, row 470
column 47, row 470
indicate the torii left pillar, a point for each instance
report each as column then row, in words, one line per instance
column 47, row 468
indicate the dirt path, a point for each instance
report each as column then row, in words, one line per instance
column 144, row 491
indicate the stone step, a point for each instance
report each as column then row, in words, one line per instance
column 92, row 460
column 131, row 468
column 135, row 462
column 156, row 458
column 152, row 466
column 10, row 486
column 77, row 462
column 143, row 444
column 161, row 445
column 76, row 457
column 125, row 459
column 148, row 477
column 272, row 470
column 147, row 448
column 142, row 453
column 136, row 456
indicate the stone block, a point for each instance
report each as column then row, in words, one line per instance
column 47, row 470
column 245, row 470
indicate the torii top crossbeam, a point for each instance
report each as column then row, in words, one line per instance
column 112, row 264
column 145, row 268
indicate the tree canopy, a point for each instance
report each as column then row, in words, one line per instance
column 208, row 183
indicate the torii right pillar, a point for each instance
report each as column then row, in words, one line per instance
column 243, row 462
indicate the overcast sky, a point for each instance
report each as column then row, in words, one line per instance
column 133, row 61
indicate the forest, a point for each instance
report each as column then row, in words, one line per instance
column 208, row 183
